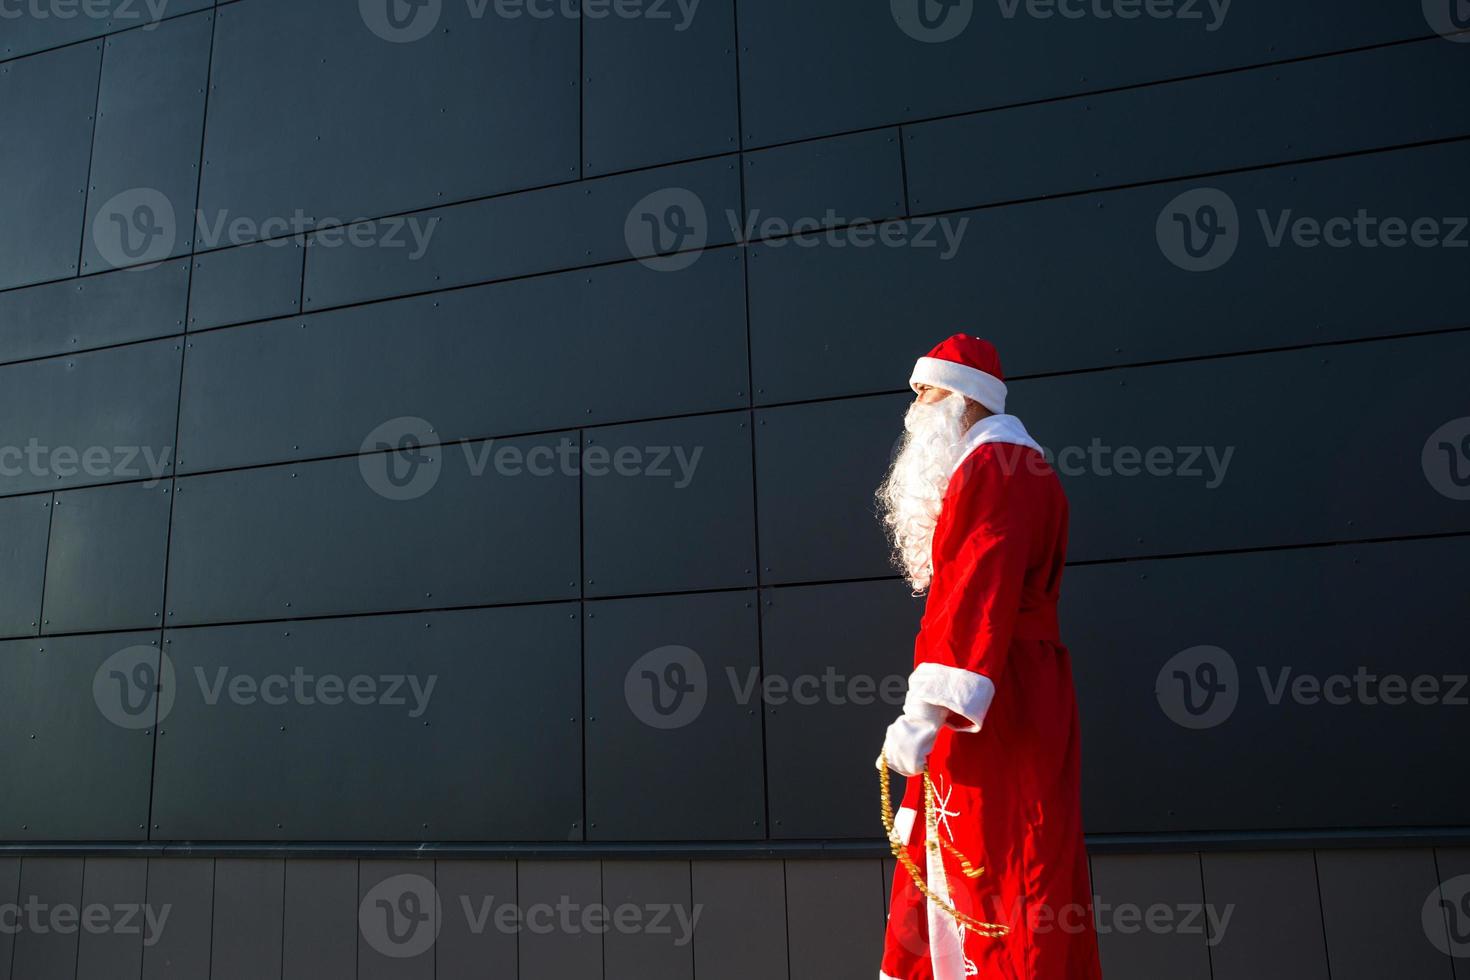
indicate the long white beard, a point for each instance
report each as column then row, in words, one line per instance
column 912, row 491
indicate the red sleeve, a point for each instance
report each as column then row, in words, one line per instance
column 981, row 552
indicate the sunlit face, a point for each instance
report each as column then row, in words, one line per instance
column 928, row 394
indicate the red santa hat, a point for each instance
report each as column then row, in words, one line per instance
column 967, row 365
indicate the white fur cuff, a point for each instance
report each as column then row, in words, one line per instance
column 963, row 692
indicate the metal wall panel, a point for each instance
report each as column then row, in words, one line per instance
column 116, row 952
column 836, row 911
column 1275, row 927
column 550, row 952
column 24, row 524
column 825, row 67
column 1033, row 277
column 1451, row 863
column 339, row 536
column 100, row 417
column 668, row 506
column 44, row 951
column 319, row 940
column 742, row 925
column 1247, row 624
column 632, row 116
column 97, row 311
column 105, row 563
column 1298, row 111
column 841, row 655
column 253, row 282
column 817, row 468
column 249, row 897
column 490, row 691
column 1173, row 942
column 145, row 152
column 9, row 891
column 555, row 228
column 80, row 739
column 673, row 682
column 36, row 27
column 476, row 942
column 1373, row 912
column 1124, row 441
column 849, row 178
column 371, row 120
column 661, row 945
column 400, row 917
column 43, row 177
column 471, row 362
column 186, row 887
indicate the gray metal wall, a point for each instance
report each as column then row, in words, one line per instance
column 218, row 492
column 1294, row 915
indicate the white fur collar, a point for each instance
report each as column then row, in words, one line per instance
column 996, row 428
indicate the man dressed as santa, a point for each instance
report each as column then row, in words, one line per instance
column 979, row 520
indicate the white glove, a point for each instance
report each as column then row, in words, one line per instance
column 911, row 738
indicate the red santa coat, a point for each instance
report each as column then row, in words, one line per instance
column 1007, row 768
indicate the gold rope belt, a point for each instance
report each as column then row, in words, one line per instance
column 933, row 840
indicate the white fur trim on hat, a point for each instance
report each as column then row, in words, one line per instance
column 973, row 383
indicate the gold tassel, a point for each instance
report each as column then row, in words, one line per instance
column 935, row 840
